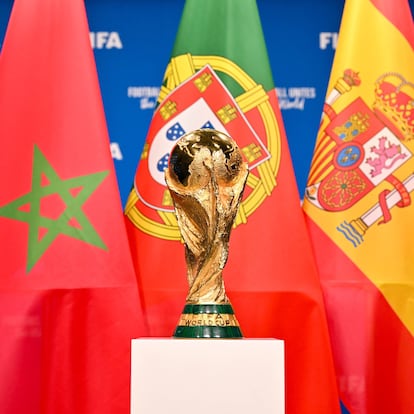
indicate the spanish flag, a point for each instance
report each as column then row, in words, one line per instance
column 219, row 77
column 359, row 206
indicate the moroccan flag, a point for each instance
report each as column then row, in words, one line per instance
column 68, row 299
column 360, row 210
column 219, row 77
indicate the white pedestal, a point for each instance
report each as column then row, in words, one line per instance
column 207, row 376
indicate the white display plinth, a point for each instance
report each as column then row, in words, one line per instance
column 207, row 376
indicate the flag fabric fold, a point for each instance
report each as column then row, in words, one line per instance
column 69, row 304
column 358, row 203
column 219, row 77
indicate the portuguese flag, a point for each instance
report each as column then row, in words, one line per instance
column 219, row 77
column 359, row 206
column 68, row 299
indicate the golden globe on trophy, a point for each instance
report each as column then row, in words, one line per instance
column 206, row 176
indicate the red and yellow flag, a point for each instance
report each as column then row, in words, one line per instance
column 359, row 206
column 68, row 299
column 219, row 77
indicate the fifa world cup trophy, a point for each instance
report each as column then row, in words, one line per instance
column 206, row 178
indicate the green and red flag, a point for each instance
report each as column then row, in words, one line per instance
column 69, row 305
column 219, row 77
column 359, row 206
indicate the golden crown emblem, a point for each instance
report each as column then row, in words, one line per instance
column 394, row 104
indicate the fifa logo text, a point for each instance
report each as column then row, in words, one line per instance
column 328, row 39
column 105, row 40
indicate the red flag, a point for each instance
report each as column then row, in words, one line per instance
column 360, row 210
column 219, row 77
column 68, row 299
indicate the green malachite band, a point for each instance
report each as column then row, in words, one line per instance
column 208, row 308
column 207, row 332
column 209, row 320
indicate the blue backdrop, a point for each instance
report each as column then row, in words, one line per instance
column 132, row 42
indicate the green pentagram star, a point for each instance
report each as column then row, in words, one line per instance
column 71, row 222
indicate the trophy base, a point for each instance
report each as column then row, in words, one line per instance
column 210, row 320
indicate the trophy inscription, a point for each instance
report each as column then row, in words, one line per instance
column 206, row 178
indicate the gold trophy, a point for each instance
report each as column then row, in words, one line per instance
column 206, row 176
